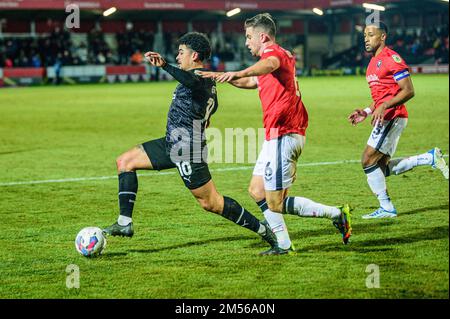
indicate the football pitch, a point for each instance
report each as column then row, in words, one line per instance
column 58, row 147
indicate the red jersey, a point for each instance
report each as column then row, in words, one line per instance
column 283, row 109
column 383, row 73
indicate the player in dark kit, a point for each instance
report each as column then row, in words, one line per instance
column 184, row 146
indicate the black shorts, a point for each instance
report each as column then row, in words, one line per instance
column 194, row 175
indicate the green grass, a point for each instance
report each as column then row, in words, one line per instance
column 178, row 250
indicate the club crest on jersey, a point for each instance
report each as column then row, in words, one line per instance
column 396, row 58
column 379, row 64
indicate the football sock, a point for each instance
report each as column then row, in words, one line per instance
column 276, row 222
column 377, row 183
column 124, row 220
column 239, row 215
column 399, row 166
column 307, row 208
column 128, row 186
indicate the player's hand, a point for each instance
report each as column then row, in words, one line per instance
column 208, row 74
column 357, row 116
column 155, row 59
column 378, row 115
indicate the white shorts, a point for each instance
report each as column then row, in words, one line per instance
column 277, row 162
column 385, row 138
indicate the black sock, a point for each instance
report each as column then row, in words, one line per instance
column 263, row 205
column 288, row 206
column 387, row 171
column 128, row 186
column 239, row 215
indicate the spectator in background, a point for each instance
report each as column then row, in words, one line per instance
column 136, row 58
column 22, row 60
column 57, row 67
column 215, row 61
column 8, row 63
column 100, row 58
column 36, row 60
column 82, row 53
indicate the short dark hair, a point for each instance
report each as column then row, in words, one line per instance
column 380, row 25
column 264, row 21
column 197, row 42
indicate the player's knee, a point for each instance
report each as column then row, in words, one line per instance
column 256, row 193
column 367, row 161
column 208, row 205
column 124, row 163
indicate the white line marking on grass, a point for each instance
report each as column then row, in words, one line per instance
column 226, row 169
column 98, row 178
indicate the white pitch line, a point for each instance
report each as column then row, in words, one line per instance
column 99, row 178
column 227, row 169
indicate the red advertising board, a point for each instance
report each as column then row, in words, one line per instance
column 23, row 72
column 125, row 69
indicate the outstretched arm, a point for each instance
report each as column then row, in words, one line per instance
column 264, row 66
column 186, row 78
column 246, row 78
column 243, row 83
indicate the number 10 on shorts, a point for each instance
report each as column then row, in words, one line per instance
column 184, row 168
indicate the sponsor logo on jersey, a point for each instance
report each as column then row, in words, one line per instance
column 396, row 58
column 379, row 64
column 372, row 78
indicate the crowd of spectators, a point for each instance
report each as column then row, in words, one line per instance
column 431, row 42
column 35, row 51
column 128, row 47
column 415, row 46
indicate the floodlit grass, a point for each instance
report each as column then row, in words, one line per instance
column 180, row 251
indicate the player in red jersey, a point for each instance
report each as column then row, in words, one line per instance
column 285, row 121
column 391, row 87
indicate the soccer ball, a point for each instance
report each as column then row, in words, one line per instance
column 90, row 242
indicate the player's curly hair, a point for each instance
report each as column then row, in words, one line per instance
column 264, row 21
column 197, row 42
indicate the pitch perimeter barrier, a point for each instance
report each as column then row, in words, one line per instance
column 142, row 73
column 21, row 76
column 430, row 69
column 74, row 74
column 77, row 74
column 126, row 73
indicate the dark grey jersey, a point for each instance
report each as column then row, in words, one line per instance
column 193, row 103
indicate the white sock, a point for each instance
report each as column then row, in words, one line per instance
column 262, row 229
column 307, row 208
column 377, row 183
column 276, row 222
column 400, row 166
column 124, row 220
